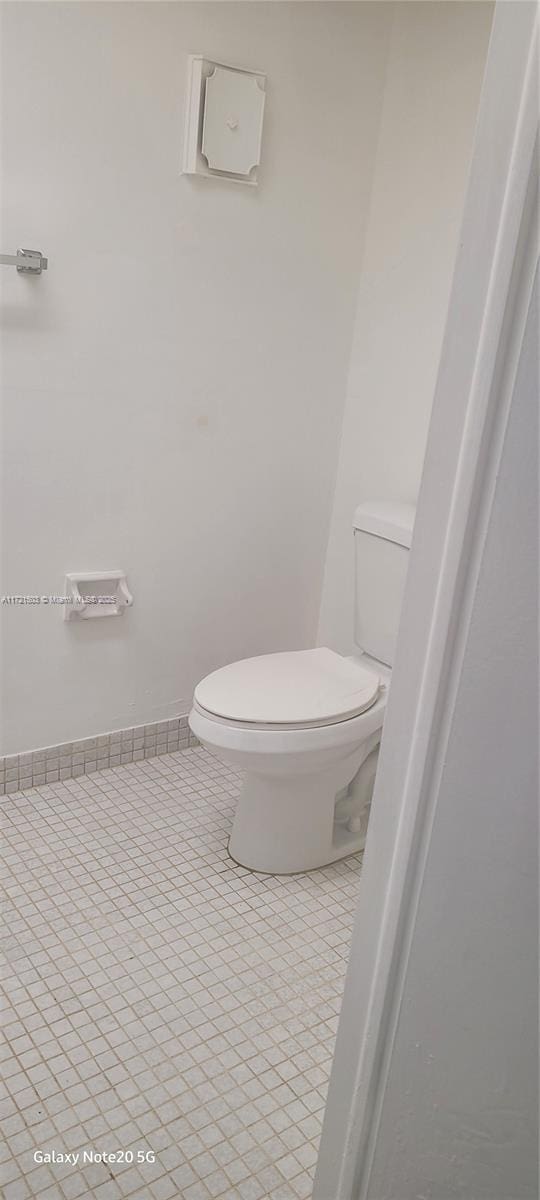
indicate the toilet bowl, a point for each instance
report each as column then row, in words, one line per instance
column 304, row 728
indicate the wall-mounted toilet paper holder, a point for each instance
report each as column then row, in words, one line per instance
column 96, row 594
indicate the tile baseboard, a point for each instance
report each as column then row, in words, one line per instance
column 81, row 757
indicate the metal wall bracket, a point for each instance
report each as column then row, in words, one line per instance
column 27, row 262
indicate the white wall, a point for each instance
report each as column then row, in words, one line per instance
column 173, row 386
column 434, row 73
column 460, row 1112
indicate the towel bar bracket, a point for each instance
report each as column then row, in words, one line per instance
column 27, row 262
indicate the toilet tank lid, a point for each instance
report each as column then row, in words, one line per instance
column 386, row 519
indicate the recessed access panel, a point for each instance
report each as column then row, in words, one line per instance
column 224, row 121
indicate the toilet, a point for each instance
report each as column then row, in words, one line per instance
column 304, row 726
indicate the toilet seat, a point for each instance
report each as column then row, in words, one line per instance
column 295, row 690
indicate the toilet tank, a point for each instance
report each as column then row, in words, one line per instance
column 382, row 539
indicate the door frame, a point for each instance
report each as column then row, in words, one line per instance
column 489, row 298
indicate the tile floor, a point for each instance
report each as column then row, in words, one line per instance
column 159, row 998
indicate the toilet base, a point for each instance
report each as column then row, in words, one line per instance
column 285, row 825
column 358, row 849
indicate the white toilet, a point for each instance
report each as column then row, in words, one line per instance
column 304, row 726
